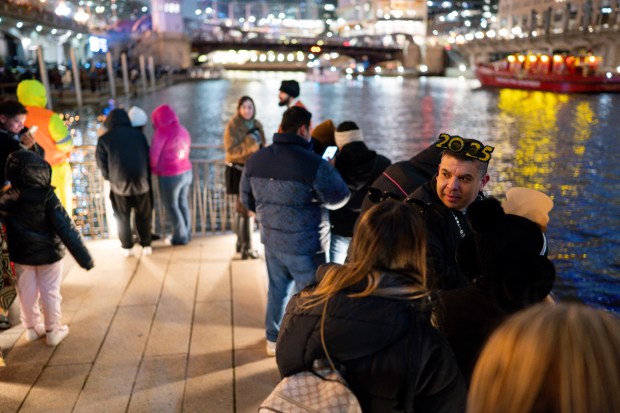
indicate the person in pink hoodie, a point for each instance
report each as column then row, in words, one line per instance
column 169, row 156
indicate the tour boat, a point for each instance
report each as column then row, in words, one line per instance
column 558, row 73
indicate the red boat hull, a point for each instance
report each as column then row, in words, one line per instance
column 488, row 76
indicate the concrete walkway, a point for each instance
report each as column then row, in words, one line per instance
column 179, row 331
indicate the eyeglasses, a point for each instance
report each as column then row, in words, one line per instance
column 377, row 196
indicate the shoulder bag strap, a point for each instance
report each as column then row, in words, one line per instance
column 329, row 359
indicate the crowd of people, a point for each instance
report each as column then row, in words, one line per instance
column 402, row 275
column 36, row 198
column 425, row 294
column 35, row 224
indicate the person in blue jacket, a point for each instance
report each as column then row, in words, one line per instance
column 291, row 188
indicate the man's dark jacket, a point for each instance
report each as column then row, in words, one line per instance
column 123, row 156
column 467, row 317
column 443, row 235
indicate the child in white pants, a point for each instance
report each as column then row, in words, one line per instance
column 39, row 285
column 37, row 227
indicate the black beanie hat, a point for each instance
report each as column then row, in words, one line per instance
column 507, row 249
column 290, row 87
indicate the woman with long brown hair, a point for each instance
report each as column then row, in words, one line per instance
column 243, row 136
column 374, row 314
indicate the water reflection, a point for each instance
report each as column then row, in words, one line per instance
column 563, row 145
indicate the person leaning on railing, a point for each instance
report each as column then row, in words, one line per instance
column 169, row 159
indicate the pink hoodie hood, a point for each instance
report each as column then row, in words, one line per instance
column 163, row 115
column 169, row 152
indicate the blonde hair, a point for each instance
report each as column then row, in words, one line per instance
column 389, row 238
column 561, row 358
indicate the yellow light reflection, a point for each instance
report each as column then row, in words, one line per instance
column 585, row 118
column 535, row 150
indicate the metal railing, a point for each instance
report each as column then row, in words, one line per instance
column 211, row 208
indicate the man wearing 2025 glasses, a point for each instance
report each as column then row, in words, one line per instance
column 459, row 181
column 290, row 188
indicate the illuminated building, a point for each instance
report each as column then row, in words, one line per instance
column 553, row 16
column 379, row 17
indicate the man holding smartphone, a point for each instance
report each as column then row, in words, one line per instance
column 14, row 136
column 291, row 189
column 330, row 153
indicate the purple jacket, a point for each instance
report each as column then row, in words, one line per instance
column 169, row 152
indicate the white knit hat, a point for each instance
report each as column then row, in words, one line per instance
column 342, row 138
column 137, row 116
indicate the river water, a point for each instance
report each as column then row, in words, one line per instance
column 567, row 146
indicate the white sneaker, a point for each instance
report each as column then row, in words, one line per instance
column 127, row 252
column 168, row 240
column 35, row 332
column 271, row 348
column 146, row 251
column 52, row 338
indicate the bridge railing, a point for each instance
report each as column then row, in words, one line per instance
column 211, row 208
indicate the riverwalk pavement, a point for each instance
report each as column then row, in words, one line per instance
column 181, row 330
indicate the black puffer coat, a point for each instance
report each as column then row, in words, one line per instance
column 123, row 156
column 388, row 352
column 37, row 224
column 469, row 315
column 359, row 167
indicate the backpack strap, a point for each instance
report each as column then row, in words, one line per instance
column 413, row 341
column 331, row 363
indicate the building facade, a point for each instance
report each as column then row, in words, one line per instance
column 383, row 17
column 553, row 16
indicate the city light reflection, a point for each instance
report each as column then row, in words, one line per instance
column 534, row 150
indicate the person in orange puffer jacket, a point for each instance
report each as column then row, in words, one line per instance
column 52, row 135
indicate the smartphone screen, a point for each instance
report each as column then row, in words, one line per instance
column 330, row 152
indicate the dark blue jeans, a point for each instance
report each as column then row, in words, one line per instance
column 175, row 195
column 288, row 274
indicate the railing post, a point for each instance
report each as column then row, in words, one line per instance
column 152, row 72
column 125, row 74
column 76, row 78
column 111, row 75
column 44, row 79
column 142, row 73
